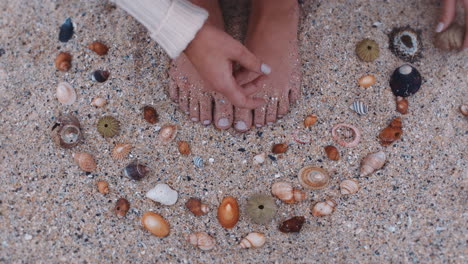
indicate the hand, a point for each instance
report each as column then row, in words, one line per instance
column 213, row 52
column 448, row 14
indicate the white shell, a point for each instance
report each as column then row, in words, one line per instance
column 201, row 240
column 359, row 107
column 99, row 102
column 349, row 186
column 65, row 93
column 259, row 159
column 253, row 240
column 372, row 162
column 163, row 194
column 198, row 161
column 324, row 208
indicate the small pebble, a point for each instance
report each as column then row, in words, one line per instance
column 27, row 237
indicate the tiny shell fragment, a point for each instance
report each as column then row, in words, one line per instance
column 292, row 225
column 259, row 158
column 402, row 105
column 279, row 148
column 103, row 187
column 310, row 120
column 366, row 80
column 99, row 102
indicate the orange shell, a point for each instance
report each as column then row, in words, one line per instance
column 167, row 133
column 121, row 151
column 228, row 212
column 98, row 47
column 156, row 224
column 85, row 161
column 310, row 120
column 63, row 61
column 366, row 80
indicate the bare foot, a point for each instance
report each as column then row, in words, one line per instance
column 190, row 91
column 272, row 36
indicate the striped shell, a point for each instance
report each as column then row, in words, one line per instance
column 198, row 161
column 121, row 151
column 65, row 93
column 85, row 161
column 349, row 186
column 313, row 177
column 359, row 107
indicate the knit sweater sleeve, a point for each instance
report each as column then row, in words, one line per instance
column 171, row 23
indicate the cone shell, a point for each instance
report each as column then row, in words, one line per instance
column 66, row 132
column 167, row 133
column 349, row 186
column 99, row 102
column 65, row 93
column 121, row 151
column 98, row 47
column 201, row 240
column 359, row 107
column 286, row 193
column 366, row 80
column 372, row 162
column 451, row 38
column 313, row 177
column 85, row 161
column 156, row 224
column 324, row 208
column 63, row 61
column 196, row 206
column 228, row 212
column 253, row 240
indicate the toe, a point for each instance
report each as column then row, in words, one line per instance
column 194, row 108
column 223, row 112
column 173, row 91
column 283, row 106
column 184, row 98
column 259, row 116
column 243, row 119
column 294, row 95
column 271, row 110
column 205, row 109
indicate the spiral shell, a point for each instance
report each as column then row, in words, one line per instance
column 167, row 133
column 372, row 162
column 401, row 105
column 310, row 120
column 392, row 132
column 332, row 152
column 286, row 193
column 99, row 102
column 196, row 206
column 63, row 61
column 451, row 38
column 324, row 208
column 253, row 240
column 349, row 186
column 313, row 177
column 85, row 161
column 121, row 151
column 367, row 80
column 65, row 93
column 198, row 161
column 359, row 107
column 66, row 132
column 201, row 240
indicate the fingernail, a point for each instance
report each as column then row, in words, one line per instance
column 223, row 122
column 240, row 125
column 206, row 122
column 265, row 69
column 194, row 119
column 439, row 27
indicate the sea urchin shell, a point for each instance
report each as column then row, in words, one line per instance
column 108, row 126
column 261, row 208
column 405, row 81
column 367, row 50
column 405, row 43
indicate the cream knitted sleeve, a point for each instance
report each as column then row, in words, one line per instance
column 171, row 23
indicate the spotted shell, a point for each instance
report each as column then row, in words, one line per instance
column 65, row 93
column 198, row 161
column 85, row 161
column 121, row 151
column 349, row 186
column 167, row 133
column 359, row 107
column 313, row 177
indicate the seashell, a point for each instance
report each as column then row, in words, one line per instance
column 136, row 171
column 279, row 148
column 286, row 193
column 198, row 161
column 163, row 194
column 108, row 126
column 66, row 132
column 259, row 158
column 85, row 161
column 228, row 212
column 310, row 120
column 66, row 31
column 103, row 187
column 391, row 133
column 121, row 151
column 464, row 110
column 372, row 162
column 167, row 133
column 292, row 225
column 99, row 48
column 121, row 207
column 332, row 152
column 405, row 43
column 63, row 61
column 405, row 81
column 150, row 114
column 99, row 102
column 349, row 186
column 184, row 147
column 324, row 208
column 65, row 93
column 367, row 50
column 100, row 76
column 201, row 240
column 402, row 105
column 302, row 137
column 253, row 240
column 313, row 178
column 345, row 142
column 359, row 107
column 261, row 208
column 451, row 38
column 156, row 224
column 196, row 206
column 367, row 80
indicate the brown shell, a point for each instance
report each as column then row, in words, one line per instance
column 66, row 132
column 402, row 105
column 121, row 150
column 150, row 114
column 63, row 61
column 391, row 133
column 451, row 38
column 85, row 161
column 332, row 152
column 310, row 120
column 103, row 187
column 156, row 224
column 121, row 207
column 184, row 147
column 464, row 110
column 98, row 47
column 196, row 206
column 167, row 133
column 313, row 177
column 292, row 225
column 228, row 212
column 279, row 148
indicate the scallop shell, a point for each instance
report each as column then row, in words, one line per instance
column 367, row 80
column 198, row 161
column 66, row 132
column 313, row 177
column 359, row 107
column 253, row 240
column 121, row 151
column 163, row 194
column 66, row 31
column 167, row 133
column 65, row 93
column 324, row 208
column 85, row 161
column 372, row 162
column 349, row 186
column 201, row 240
column 99, row 102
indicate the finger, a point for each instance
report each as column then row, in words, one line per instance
column 448, row 13
column 245, row 76
column 184, row 97
column 173, row 90
column 237, row 98
column 248, row 60
column 254, row 86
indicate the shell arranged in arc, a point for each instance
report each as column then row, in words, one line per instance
column 167, row 133
column 198, row 161
column 121, row 150
column 261, row 208
column 313, row 177
column 359, row 107
column 66, row 31
column 85, row 161
column 66, row 132
column 201, row 240
column 136, row 171
column 372, row 162
column 367, row 50
column 65, row 93
column 253, row 240
column 108, row 126
column 405, row 81
column 405, row 43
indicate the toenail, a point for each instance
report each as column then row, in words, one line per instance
column 206, row 122
column 194, row 119
column 258, row 125
column 223, row 122
column 269, row 123
column 240, row 125
column 265, row 69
